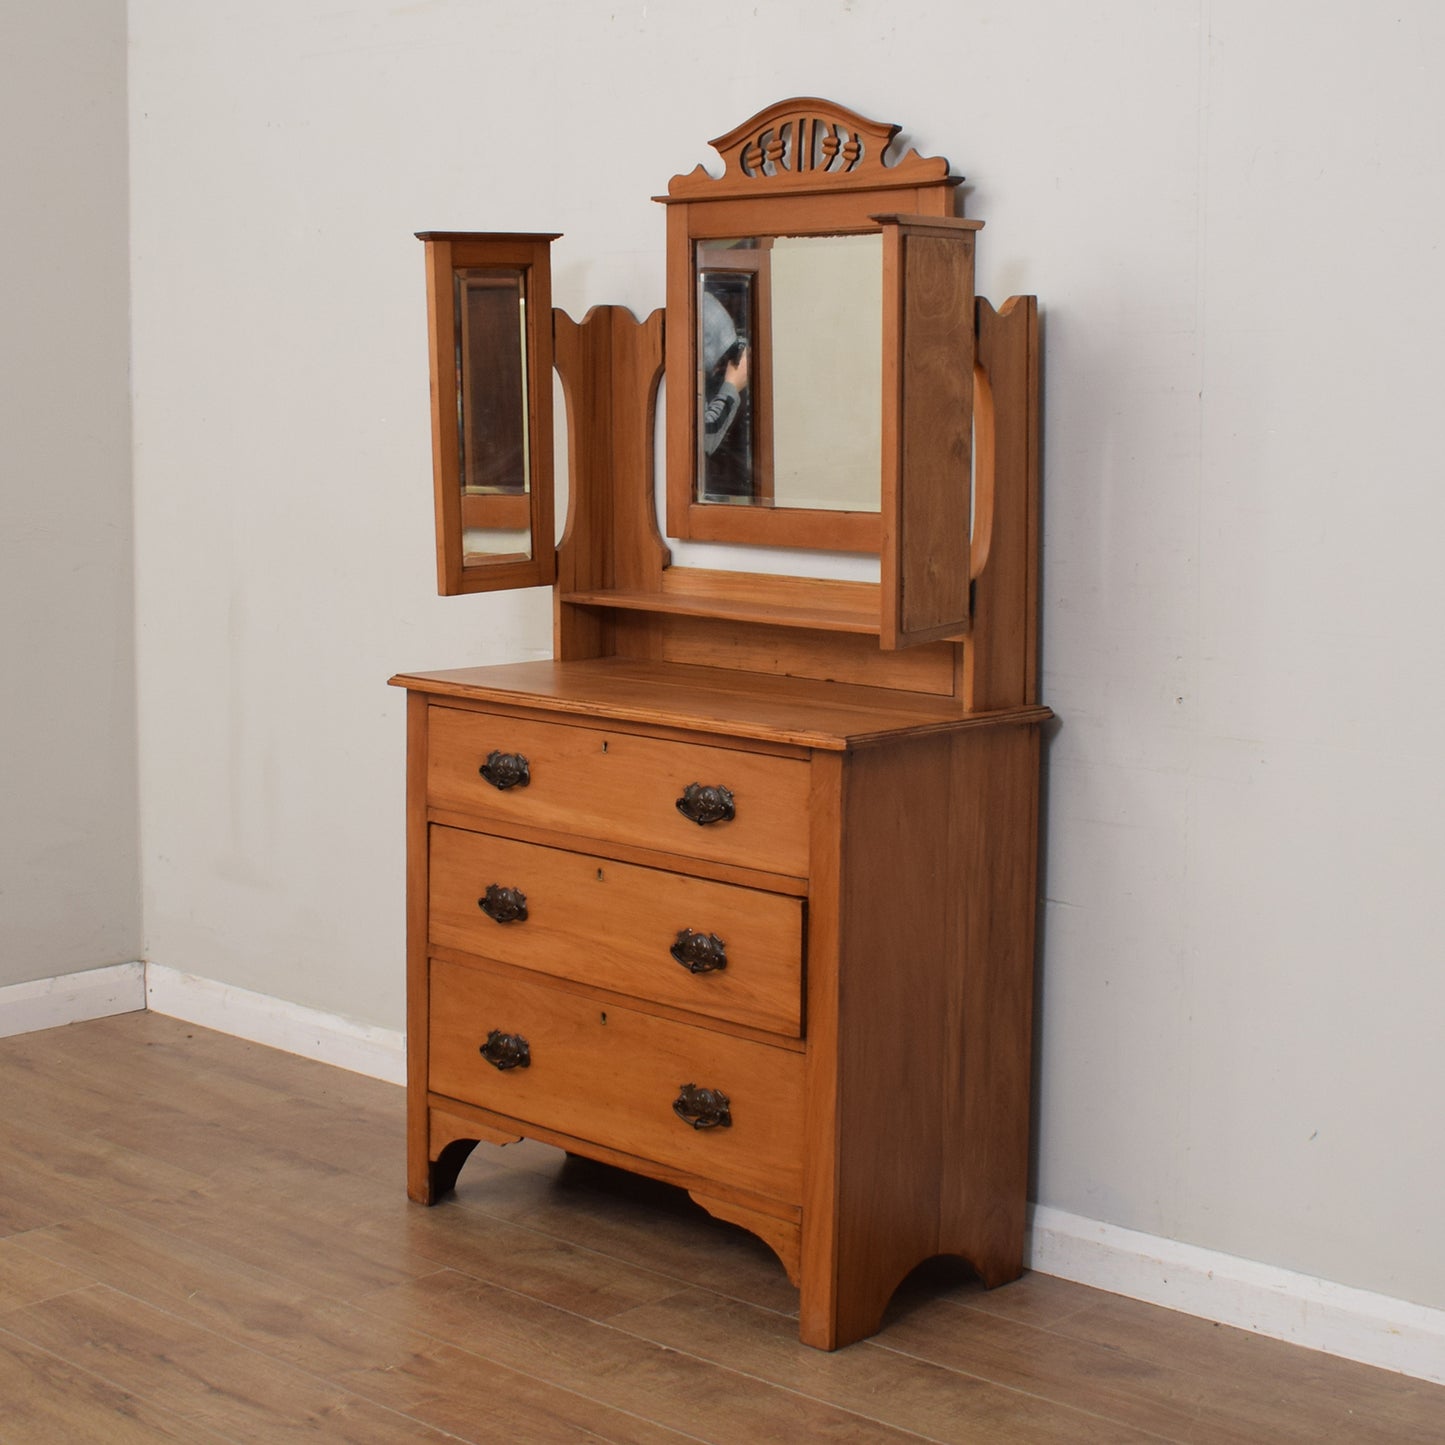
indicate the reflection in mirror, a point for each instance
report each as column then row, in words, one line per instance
column 494, row 461
column 790, row 348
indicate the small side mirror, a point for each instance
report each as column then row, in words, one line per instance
column 489, row 312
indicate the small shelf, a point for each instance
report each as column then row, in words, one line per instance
column 858, row 614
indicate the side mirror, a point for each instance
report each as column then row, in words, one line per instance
column 489, row 312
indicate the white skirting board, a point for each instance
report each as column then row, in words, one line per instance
column 97, row 993
column 1353, row 1323
column 362, row 1048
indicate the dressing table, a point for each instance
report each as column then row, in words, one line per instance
column 738, row 892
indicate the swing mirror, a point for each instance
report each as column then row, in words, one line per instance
column 489, row 305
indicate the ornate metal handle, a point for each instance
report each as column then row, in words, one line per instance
column 706, row 805
column 506, row 905
column 506, row 1051
column 700, row 952
column 703, row 1108
column 506, row 770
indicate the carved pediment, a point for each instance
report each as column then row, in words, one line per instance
column 808, row 144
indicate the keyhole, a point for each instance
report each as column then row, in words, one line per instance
column 604, row 745
column 599, row 875
column 604, row 1018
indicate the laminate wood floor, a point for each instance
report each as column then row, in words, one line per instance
column 203, row 1240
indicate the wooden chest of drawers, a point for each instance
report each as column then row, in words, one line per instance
column 769, row 941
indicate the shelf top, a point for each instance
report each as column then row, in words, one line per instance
column 798, row 711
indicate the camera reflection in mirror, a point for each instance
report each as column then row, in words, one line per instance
column 734, row 386
column 790, row 371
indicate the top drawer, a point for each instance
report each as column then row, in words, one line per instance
column 590, row 782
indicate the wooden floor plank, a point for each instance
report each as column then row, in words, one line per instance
column 1032, row 1299
column 44, row 1401
column 351, row 1250
column 198, row 1128
column 685, row 1393
column 26, row 1279
column 1161, row 1395
column 1292, row 1394
column 268, row 1311
column 476, row 1399
column 201, row 1377
column 52, row 1173
column 204, row 1239
column 938, row 1403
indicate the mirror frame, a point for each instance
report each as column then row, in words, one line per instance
column 448, row 252
column 804, row 167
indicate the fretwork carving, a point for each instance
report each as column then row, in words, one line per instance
column 808, row 144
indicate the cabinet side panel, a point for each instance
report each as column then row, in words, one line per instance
column 988, row 1009
column 899, row 941
column 935, row 1004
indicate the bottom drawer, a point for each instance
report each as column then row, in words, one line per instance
column 611, row 1075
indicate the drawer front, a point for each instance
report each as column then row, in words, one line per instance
column 616, row 925
column 612, row 1075
column 589, row 782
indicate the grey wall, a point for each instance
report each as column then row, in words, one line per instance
column 69, row 845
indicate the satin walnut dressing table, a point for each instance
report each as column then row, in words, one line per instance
column 738, row 891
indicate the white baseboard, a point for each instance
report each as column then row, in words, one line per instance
column 1355, row 1324
column 330, row 1038
column 70, row 998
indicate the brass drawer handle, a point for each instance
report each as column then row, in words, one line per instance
column 700, row 952
column 706, row 805
column 703, row 1108
column 506, row 1051
column 506, row 770
column 505, row 905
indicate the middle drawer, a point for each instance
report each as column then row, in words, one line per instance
column 713, row 948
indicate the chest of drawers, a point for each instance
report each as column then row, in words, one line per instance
column 768, row 941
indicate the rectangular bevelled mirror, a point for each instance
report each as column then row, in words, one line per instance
column 489, row 303
column 783, row 378
column 789, row 347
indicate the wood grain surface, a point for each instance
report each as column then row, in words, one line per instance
column 610, row 925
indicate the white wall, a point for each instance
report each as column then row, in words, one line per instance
column 69, row 849
column 1231, row 213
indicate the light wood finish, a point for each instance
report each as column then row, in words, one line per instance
column 1000, row 662
column 804, row 166
column 748, row 597
column 879, row 743
column 610, row 365
column 287, row 1291
column 458, row 572
column 763, row 647
column 928, row 338
column 611, row 1075
column 612, row 926
column 603, row 783
column 914, row 829
column 660, row 697
column 511, row 511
